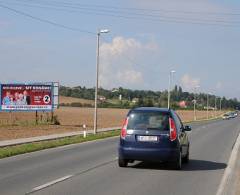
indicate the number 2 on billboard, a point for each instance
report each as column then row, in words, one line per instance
column 46, row 99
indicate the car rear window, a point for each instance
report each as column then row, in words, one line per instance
column 145, row 120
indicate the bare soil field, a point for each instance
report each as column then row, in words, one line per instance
column 69, row 100
column 20, row 125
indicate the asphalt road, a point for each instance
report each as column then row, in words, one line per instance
column 91, row 168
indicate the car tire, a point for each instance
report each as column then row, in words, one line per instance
column 185, row 159
column 131, row 161
column 122, row 162
column 178, row 162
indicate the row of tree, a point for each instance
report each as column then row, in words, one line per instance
column 149, row 98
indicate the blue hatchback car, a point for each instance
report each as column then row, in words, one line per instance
column 153, row 134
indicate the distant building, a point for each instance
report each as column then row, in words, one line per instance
column 135, row 100
column 182, row 104
column 209, row 108
column 102, row 98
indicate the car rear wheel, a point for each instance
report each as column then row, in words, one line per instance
column 122, row 162
column 185, row 159
column 178, row 162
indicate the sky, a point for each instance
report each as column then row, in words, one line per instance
column 199, row 39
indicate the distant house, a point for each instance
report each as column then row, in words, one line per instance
column 135, row 100
column 102, row 98
column 209, row 108
column 182, row 104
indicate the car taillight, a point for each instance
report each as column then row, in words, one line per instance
column 124, row 129
column 173, row 129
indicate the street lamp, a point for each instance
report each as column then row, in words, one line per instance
column 169, row 86
column 97, row 73
column 215, row 108
column 220, row 107
column 195, row 101
column 208, row 104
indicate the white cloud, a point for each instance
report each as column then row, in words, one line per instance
column 189, row 83
column 118, row 62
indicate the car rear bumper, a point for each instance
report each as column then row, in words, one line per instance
column 148, row 154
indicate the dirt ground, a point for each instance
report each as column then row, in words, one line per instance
column 20, row 125
column 69, row 100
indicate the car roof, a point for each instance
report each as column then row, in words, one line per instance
column 151, row 109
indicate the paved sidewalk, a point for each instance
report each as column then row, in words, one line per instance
column 49, row 137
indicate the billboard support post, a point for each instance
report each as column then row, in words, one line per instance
column 52, row 117
column 36, row 117
column 11, row 120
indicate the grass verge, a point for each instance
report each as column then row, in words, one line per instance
column 203, row 120
column 35, row 146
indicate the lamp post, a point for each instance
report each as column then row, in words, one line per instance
column 220, row 106
column 208, row 105
column 97, row 73
column 195, row 101
column 215, row 108
column 169, row 86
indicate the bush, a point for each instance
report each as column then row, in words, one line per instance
column 55, row 120
column 76, row 104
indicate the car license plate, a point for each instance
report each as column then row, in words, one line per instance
column 147, row 138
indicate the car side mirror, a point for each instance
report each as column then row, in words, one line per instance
column 187, row 128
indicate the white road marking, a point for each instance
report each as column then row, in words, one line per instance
column 51, row 183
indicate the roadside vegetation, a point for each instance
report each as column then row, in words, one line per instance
column 35, row 146
column 134, row 98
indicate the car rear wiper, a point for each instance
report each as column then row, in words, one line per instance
column 153, row 128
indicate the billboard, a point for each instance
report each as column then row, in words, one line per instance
column 27, row 97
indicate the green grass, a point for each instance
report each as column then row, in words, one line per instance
column 35, row 146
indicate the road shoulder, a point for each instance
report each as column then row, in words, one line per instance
column 230, row 183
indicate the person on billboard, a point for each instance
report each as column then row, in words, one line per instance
column 16, row 97
column 21, row 100
column 11, row 100
column 26, row 97
column 7, row 100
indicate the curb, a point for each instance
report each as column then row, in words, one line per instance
column 226, row 186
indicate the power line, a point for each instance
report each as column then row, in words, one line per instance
column 127, row 8
column 46, row 21
column 138, row 16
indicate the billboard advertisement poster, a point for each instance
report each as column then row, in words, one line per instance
column 22, row 97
